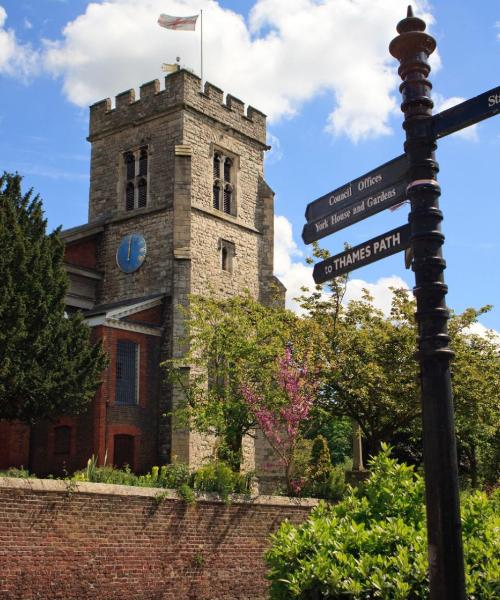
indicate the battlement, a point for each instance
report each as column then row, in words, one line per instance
column 182, row 88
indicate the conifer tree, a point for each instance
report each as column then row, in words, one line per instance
column 48, row 365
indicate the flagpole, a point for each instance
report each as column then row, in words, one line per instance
column 201, row 47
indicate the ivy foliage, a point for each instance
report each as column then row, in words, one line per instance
column 373, row 544
column 48, row 366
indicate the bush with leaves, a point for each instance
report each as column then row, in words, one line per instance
column 373, row 544
column 321, row 478
column 218, row 477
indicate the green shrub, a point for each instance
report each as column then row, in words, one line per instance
column 322, row 479
column 14, row 472
column 106, row 474
column 171, row 476
column 373, row 544
column 218, row 477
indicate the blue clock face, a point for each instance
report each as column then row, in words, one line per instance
column 131, row 252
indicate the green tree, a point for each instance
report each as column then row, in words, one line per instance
column 370, row 375
column 47, row 364
column 232, row 343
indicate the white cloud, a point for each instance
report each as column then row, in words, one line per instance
column 15, row 59
column 276, row 153
column 380, row 290
column 479, row 329
column 441, row 103
column 290, row 51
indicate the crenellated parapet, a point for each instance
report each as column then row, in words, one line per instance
column 182, row 90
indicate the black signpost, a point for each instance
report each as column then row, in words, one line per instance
column 412, row 48
column 413, row 175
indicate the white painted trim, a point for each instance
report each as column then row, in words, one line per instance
column 123, row 325
column 125, row 311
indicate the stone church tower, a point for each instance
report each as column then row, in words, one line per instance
column 178, row 206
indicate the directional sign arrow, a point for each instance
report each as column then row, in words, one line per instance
column 380, row 178
column 467, row 113
column 379, row 247
column 356, row 211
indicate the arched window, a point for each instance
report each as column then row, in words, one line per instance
column 143, row 193
column 143, row 162
column 228, row 163
column 228, row 194
column 217, row 159
column 129, row 201
column 216, row 197
column 130, row 163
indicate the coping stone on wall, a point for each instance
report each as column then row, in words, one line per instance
column 85, row 487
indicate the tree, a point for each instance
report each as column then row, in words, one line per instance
column 48, row 366
column 281, row 421
column 231, row 343
column 371, row 376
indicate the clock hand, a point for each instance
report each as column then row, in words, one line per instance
column 129, row 246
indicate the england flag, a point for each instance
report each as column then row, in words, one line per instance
column 178, row 23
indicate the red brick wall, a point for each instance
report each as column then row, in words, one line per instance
column 14, row 444
column 105, row 542
column 82, row 253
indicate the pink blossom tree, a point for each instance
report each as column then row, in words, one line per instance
column 281, row 420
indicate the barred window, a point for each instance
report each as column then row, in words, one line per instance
column 129, row 200
column 216, row 198
column 143, row 193
column 127, row 372
column 228, row 194
column 228, row 163
column 217, row 159
column 143, row 162
column 62, row 439
column 130, row 165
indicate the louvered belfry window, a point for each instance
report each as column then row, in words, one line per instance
column 136, row 178
column 216, row 196
column 223, row 187
column 127, row 372
column 129, row 201
column 143, row 193
column 226, row 206
column 143, row 162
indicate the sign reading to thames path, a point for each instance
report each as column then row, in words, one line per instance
column 467, row 113
column 379, row 247
column 354, row 212
column 382, row 177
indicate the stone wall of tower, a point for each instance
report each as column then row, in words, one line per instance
column 181, row 127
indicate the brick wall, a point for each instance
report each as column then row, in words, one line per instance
column 105, row 542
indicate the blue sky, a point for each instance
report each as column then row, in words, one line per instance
column 320, row 70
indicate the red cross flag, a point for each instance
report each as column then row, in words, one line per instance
column 179, row 23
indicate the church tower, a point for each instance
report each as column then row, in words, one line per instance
column 178, row 206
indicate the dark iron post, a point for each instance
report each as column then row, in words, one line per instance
column 412, row 48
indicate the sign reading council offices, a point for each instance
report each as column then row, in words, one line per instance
column 382, row 177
